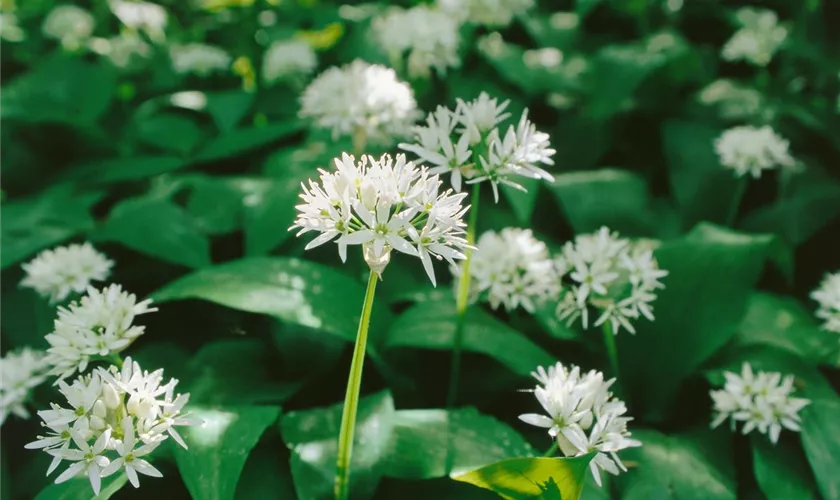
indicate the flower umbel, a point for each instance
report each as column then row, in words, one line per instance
column 20, row 372
column 828, row 298
column 199, row 59
column 493, row 13
column 759, row 38
column 58, row 272
column 751, row 150
column 70, row 25
column 288, row 59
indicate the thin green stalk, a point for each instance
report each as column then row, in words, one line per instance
column 551, row 451
column 462, row 301
column 612, row 353
column 736, row 201
column 351, row 398
column 359, row 142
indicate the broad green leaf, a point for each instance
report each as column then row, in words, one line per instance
column 125, row 169
column 80, row 489
column 431, row 325
column 312, row 436
column 559, row 30
column 527, row 478
column 581, row 141
column 169, row 132
column 509, row 60
column 265, row 476
column 228, row 108
column 583, row 7
column 617, row 70
column 434, row 443
column 781, row 470
column 216, row 203
column 523, row 202
column 268, row 214
column 158, row 228
column 242, row 140
column 219, row 447
column 820, row 428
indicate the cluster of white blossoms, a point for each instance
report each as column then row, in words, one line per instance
column 70, row 25
column 429, row 36
column 761, row 401
column 143, row 16
column 469, row 144
column 512, row 268
column 360, row 98
column 758, row 39
column 492, row 13
column 58, row 272
column 828, row 298
column 582, row 416
column 100, row 324
column 199, row 59
column 122, row 51
column 20, row 372
column 751, row 150
column 732, row 100
column 286, row 59
column 382, row 205
column 611, row 274
column 10, row 29
column 116, row 417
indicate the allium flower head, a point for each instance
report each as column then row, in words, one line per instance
column 611, row 274
column 828, row 298
column 732, row 100
column 582, row 416
column 148, row 17
column 512, row 268
column 759, row 38
column 20, row 372
column 199, row 59
column 288, row 59
column 58, row 272
column 429, row 36
column 100, row 324
column 123, row 51
column 69, row 24
column 10, row 29
column 750, row 150
column 760, row 400
column 492, row 13
column 382, row 205
column 360, row 98
column 116, row 417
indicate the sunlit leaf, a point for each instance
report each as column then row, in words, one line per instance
column 80, row 489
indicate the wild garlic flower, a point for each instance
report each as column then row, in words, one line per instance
column 512, row 268
column 288, row 59
column 759, row 38
column 611, row 274
column 761, row 401
column 198, row 58
column 828, row 298
column 10, row 29
column 492, row 13
column 144, row 16
column 583, row 416
column 732, row 100
column 116, row 417
column 20, row 372
column 100, row 324
column 383, row 205
column 750, row 150
column 468, row 143
column 123, row 51
column 360, row 98
column 70, row 25
column 58, row 272
column 429, row 36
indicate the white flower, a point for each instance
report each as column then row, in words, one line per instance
column 493, row 13
column 758, row 39
column 20, row 372
column 429, row 36
column 145, row 16
column 360, row 98
column 287, row 59
column 69, row 24
column 435, row 146
column 199, row 59
column 828, row 298
column 130, row 456
column 98, row 325
column 512, row 268
column 10, row 30
column 122, row 50
column 577, row 404
column 732, row 100
column 383, row 205
column 761, row 401
column 57, row 272
column 610, row 274
column 750, row 150
column 480, row 116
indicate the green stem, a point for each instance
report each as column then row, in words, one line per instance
column 351, row 398
column 732, row 215
column 551, row 451
column 462, row 301
column 612, row 353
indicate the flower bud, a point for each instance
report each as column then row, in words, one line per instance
column 110, row 396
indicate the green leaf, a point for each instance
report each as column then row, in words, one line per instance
column 431, row 325
column 617, row 71
column 268, row 214
column 559, row 30
column 242, row 140
column 216, row 204
column 80, row 489
column 158, row 228
column 228, row 108
column 126, row 169
column 527, row 478
column 546, row 316
column 265, row 476
column 312, row 436
column 219, row 448
column 522, row 202
column 781, row 471
column 169, row 132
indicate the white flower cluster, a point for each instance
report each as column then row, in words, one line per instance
column 828, row 298
column 115, row 418
column 122, row 51
column 468, row 144
column 732, row 100
column 583, row 416
column 10, row 29
column 100, row 324
column 429, row 36
column 493, row 13
column 20, row 372
column 199, row 58
column 383, row 205
column 761, row 401
column 759, row 38
column 609, row 273
column 288, row 59
column 148, row 17
column 750, row 150
column 58, row 272
column 360, row 98
column 70, row 25
column 512, row 268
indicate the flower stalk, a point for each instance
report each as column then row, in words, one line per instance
column 612, row 353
